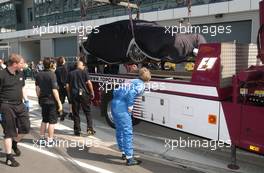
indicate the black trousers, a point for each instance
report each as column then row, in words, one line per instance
column 78, row 103
column 63, row 94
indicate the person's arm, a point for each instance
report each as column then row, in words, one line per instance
column 57, row 98
column 67, row 86
column 37, row 86
column 55, row 91
column 90, row 87
column 37, row 90
column 89, row 84
column 24, row 92
column 25, row 98
column 65, row 76
column 132, row 94
column 68, row 89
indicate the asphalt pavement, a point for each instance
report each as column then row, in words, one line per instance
column 99, row 153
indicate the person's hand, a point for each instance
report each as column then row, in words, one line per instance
column 92, row 95
column 59, row 107
column 130, row 109
column 26, row 103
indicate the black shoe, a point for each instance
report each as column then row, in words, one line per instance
column 62, row 116
column 15, row 149
column 10, row 161
column 77, row 134
column 70, row 116
column 90, row 131
column 42, row 142
column 132, row 162
column 123, row 157
column 51, row 143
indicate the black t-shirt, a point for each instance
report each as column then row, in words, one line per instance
column 46, row 80
column 11, row 87
column 77, row 80
column 71, row 67
column 61, row 74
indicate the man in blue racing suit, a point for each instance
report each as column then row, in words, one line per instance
column 122, row 106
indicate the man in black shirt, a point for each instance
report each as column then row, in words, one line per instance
column 62, row 75
column 15, row 119
column 47, row 92
column 81, row 92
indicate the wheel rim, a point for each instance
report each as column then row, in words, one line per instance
column 109, row 113
column 135, row 55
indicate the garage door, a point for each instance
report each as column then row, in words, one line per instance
column 65, row 46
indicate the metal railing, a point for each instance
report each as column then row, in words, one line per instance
column 147, row 6
column 58, row 15
column 109, row 11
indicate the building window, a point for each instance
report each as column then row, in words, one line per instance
column 30, row 15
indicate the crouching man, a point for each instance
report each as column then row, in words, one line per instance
column 122, row 106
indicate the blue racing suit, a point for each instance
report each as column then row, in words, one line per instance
column 123, row 98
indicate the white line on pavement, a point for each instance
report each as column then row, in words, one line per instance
column 82, row 164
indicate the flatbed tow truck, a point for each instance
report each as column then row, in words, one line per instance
column 222, row 99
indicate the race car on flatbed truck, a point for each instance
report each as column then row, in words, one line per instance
column 222, row 99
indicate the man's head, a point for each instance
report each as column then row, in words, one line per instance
column 1, row 61
column 80, row 65
column 144, row 74
column 49, row 63
column 61, row 61
column 16, row 61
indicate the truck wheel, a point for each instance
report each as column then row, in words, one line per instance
column 135, row 121
column 109, row 116
column 106, row 108
column 135, row 55
column 106, row 111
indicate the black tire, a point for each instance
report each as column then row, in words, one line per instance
column 135, row 121
column 106, row 110
column 135, row 55
column 109, row 117
column 105, row 107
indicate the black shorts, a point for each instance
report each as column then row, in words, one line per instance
column 15, row 119
column 49, row 113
